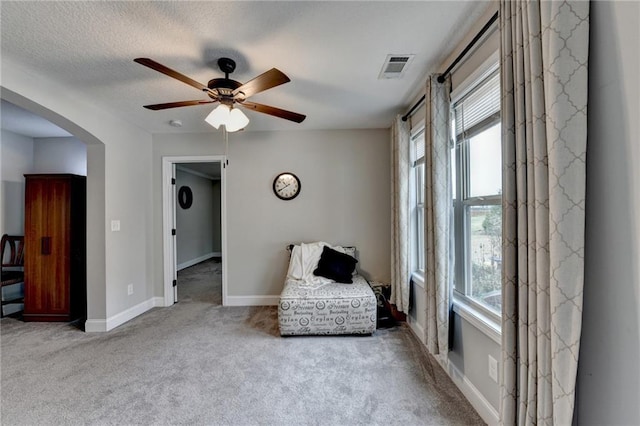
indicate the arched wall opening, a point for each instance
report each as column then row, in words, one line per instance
column 96, row 255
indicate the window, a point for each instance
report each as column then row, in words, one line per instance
column 417, row 199
column 477, row 194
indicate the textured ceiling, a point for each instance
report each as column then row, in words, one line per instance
column 332, row 51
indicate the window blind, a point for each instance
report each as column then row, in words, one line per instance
column 479, row 108
column 418, row 148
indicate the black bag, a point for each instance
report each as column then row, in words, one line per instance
column 384, row 317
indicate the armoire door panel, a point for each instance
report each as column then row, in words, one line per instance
column 49, row 263
column 59, row 300
column 36, row 202
column 59, row 230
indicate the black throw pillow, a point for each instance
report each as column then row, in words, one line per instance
column 335, row 265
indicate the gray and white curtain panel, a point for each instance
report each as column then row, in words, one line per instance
column 437, row 216
column 400, row 274
column 544, row 64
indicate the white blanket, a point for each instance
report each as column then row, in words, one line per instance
column 304, row 260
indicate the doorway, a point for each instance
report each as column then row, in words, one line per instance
column 198, row 233
column 211, row 259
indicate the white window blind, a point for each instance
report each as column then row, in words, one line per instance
column 479, row 108
column 418, row 148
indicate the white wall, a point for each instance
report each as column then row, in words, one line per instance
column 119, row 182
column 60, row 155
column 344, row 199
column 217, row 216
column 195, row 225
column 128, row 199
column 16, row 156
column 608, row 375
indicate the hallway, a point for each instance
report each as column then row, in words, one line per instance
column 201, row 283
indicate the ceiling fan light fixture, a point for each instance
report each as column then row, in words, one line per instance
column 237, row 120
column 232, row 118
column 219, row 116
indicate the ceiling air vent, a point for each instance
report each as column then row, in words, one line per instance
column 395, row 65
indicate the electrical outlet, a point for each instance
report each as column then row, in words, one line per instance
column 130, row 289
column 493, row 368
column 115, row 225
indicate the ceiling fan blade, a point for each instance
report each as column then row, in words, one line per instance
column 157, row 107
column 171, row 73
column 277, row 112
column 264, row 81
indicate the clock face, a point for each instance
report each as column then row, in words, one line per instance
column 286, row 186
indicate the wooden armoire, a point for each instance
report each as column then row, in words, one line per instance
column 55, row 248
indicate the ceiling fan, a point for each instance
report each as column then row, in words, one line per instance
column 227, row 92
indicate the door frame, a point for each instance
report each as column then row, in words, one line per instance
column 168, row 220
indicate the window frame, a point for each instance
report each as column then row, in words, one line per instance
column 474, row 311
column 417, row 243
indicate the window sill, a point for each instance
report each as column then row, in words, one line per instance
column 417, row 277
column 482, row 322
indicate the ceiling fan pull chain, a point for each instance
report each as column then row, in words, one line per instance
column 226, row 144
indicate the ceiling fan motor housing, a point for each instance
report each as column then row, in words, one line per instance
column 227, row 65
column 225, row 86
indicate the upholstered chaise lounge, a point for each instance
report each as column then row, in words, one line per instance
column 316, row 305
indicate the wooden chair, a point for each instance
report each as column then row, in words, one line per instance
column 11, row 268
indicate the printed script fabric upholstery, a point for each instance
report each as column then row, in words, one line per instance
column 544, row 54
column 400, row 214
column 437, row 215
column 329, row 309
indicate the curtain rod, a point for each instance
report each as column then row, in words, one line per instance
column 455, row 62
column 413, row 108
column 469, row 46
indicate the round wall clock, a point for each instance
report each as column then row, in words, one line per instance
column 286, row 186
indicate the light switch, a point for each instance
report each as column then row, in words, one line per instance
column 115, row 225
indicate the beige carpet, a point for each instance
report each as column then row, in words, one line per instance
column 200, row 363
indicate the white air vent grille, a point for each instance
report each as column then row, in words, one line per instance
column 395, row 66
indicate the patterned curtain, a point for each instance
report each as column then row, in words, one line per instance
column 438, row 215
column 544, row 54
column 400, row 214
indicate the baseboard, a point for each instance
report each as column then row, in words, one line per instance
column 158, row 302
column 100, row 325
column 252, row 300
column 473, row 395
column 198, row 260
column 417, row 329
